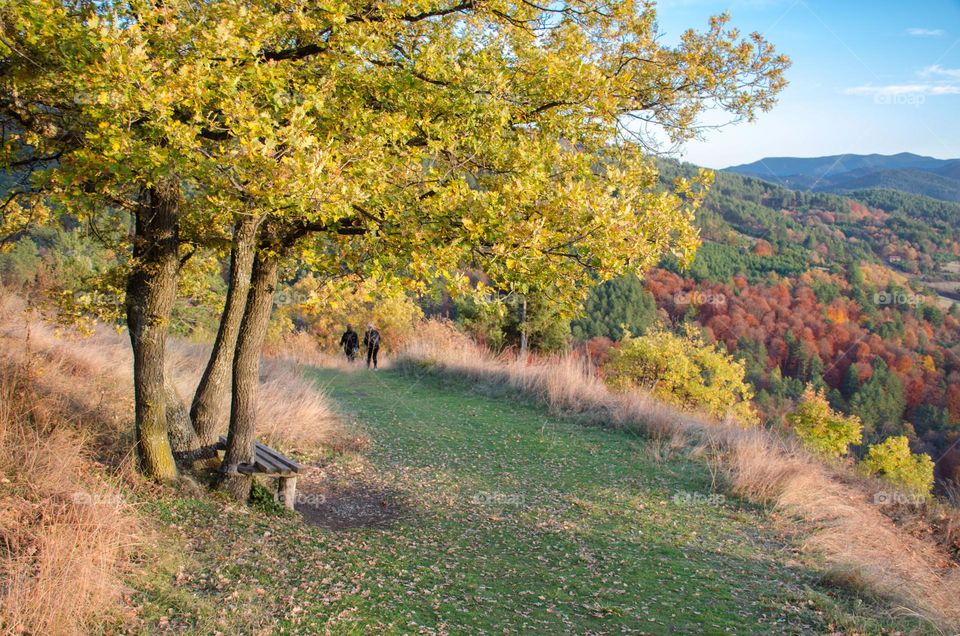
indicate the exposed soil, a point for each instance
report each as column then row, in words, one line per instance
column 329, row 499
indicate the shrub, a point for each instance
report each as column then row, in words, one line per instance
column 685, row 370
column 893, row 461
column 821, row 429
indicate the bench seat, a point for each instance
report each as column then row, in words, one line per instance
column 267, row 461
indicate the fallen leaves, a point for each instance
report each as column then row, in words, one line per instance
column 586, row 537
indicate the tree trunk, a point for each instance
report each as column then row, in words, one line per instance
column 246, row 376
column 207, row 410
column 187, row 450
column 523, row 330
column 183, row 438
column 151, row 292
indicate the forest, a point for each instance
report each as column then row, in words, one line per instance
column 821, row 290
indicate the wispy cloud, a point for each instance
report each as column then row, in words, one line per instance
column 904, row 89
column 918, row 32
column 932, row 80
column 938, row 71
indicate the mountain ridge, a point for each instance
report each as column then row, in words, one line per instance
column 906, row 172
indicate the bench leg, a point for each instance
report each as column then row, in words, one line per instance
column 287, row 491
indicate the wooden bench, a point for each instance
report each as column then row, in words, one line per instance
column 269, row 462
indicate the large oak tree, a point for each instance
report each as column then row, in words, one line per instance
column 391, row 139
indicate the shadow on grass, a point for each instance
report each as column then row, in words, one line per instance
column 339, row 502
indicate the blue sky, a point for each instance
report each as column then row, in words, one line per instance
column 867, row 77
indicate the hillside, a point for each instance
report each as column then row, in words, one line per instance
column 472, row 509
column 914, row 181
column 468, row 504
column 855, row 294
column 936, row 178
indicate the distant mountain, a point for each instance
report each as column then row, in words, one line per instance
column 950, row 169
column 907, row 172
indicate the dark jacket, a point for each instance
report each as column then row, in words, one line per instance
column 350, row 341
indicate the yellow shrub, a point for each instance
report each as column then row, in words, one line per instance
column 685, row 370
column 892, row 460
column 821, row 429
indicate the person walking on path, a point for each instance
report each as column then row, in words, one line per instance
column 371, row 340
column 350, row 342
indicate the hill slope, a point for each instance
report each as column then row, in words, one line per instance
column 490, row 515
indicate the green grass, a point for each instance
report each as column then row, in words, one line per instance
column 508, row 520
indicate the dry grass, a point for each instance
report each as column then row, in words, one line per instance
column 303, row 349
column 565, row 384
column 67, row 535
column 293, row 414
column 861, row 547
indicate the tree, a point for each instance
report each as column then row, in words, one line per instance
column 851, row 382
column 821, row 429
column 618, row 305
column 382, row 140
column 880, row 402
column 207, row 404
column 503, row 321
column 684, row 370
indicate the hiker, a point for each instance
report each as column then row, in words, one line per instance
column 371, row 340
column 350, row 342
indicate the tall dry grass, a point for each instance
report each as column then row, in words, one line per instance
column 67, row 534
column 293, row 413
column 837, row 520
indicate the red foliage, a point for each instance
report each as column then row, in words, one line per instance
column 597, row 349
column 766, row 313
column 953, row 402
column 763, row 248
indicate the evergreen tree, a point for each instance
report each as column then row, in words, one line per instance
column 618, row 304
column 851, row 382
column 880, row 402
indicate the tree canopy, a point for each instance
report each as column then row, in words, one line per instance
column 400, row 139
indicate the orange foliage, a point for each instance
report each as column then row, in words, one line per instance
column 835, row 332
column 762, row 248
column 837, row 312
